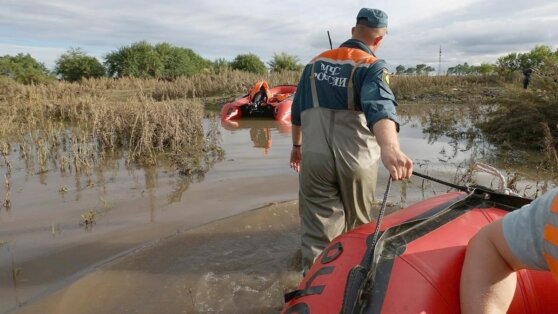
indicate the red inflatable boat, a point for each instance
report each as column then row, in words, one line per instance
column 262, row 101
column 415, row 266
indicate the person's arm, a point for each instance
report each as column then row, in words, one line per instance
column 488, row 277
column 301, row 95
column 520, row 240
column 378, row 104
column 296, row 155
column 396, row 162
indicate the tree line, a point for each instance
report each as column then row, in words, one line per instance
column 165, row 61
column 140, row 59
column 510, row 63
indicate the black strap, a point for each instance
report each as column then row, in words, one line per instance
column 309, row 289
column 455, row 186
column 303, row 292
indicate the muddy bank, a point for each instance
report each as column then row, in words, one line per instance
column 241, row 264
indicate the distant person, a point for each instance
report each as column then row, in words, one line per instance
column 524, row 239
column 344, row 120
column 527, row 77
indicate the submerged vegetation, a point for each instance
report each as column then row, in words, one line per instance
column 75, row 126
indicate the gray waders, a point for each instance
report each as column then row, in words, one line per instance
column 337, row 175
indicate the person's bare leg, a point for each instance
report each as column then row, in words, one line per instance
column 488, row 278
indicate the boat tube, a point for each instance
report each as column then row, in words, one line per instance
column 415, row 264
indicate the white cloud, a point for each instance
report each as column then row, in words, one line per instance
column 468, row 30
column 48, row 55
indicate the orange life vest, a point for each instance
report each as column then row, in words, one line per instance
column 257, row 87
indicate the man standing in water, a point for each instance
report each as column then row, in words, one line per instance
column 344, row 115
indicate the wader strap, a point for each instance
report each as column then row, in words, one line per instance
column 351, row 90
column 315, row 102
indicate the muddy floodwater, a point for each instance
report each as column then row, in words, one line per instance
column 143, row 240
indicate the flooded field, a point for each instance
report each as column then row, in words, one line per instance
column 125, row 238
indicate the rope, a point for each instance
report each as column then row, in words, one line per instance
column 382, row 213
column 477, row 166
column 493, row 171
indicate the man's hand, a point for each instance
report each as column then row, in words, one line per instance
column 296, row 155
column 296, row 158
column 397, row 163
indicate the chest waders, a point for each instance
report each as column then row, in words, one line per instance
column 338, row 172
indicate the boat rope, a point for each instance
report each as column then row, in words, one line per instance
column 382, row 213
column 478, row 166
column 386, row 194
column 493, row 171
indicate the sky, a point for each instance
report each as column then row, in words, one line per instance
column 473, row 31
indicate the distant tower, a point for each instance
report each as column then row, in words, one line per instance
column 440, row 61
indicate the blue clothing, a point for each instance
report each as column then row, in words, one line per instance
column 524, row 231
column 332, row 69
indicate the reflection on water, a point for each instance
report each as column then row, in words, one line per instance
column 260, row 130
column 442, row 140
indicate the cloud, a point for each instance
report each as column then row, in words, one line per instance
column 48, row 55
column 468, row 30
column 478, row 32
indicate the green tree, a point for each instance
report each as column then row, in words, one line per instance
column 24, row 69
column 486, row 68
column 284, row 62
column 508, row 63
column 420, row 68
column 163, row 60
column 410, row 71
column 399, row 70
column 429, row 69
column 423, row 69
column 460, row 69
column 177, row 61
column 519, row 61
column 536, row 57
column 138, row 60
column 221, row 65
column 75, row 64
column 249, row 63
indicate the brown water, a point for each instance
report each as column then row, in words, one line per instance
column 167, row 243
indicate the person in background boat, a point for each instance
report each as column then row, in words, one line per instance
column 344, row 120
column 524, row 239
column 527, row 77
column 259, row 94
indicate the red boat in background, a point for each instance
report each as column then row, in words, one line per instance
column 415, row 264
column 262, row 101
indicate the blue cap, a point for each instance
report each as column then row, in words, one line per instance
column 372, row 18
